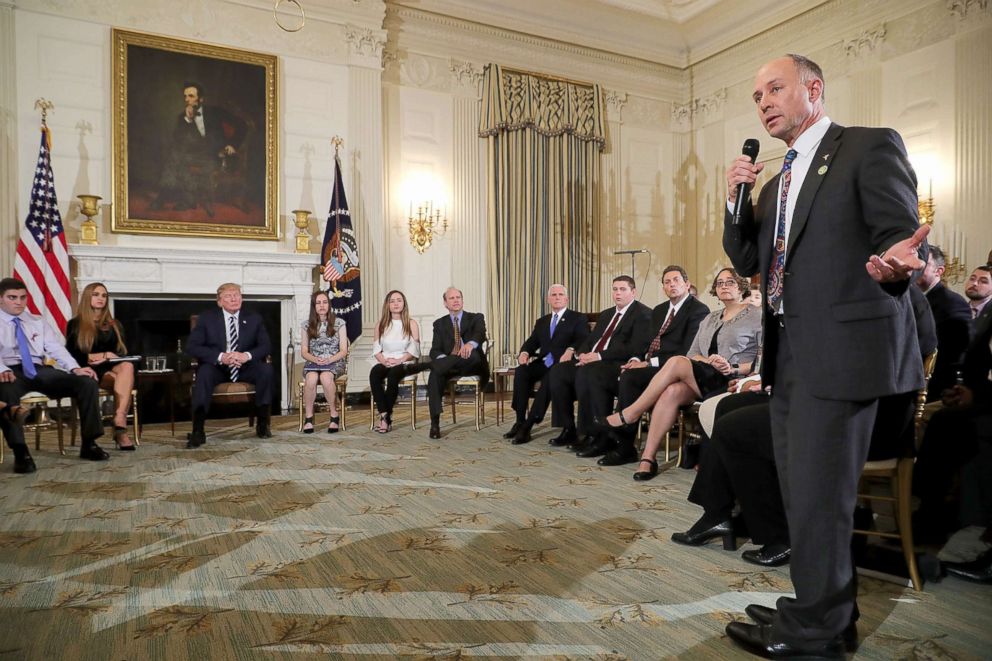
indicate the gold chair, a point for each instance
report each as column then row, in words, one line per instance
column 412, row 383
column 340, row 393
column 474, row 382
column 898, row 472
column 39, row 419
column 102, row 396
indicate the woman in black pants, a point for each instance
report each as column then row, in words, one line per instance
column 395, row 349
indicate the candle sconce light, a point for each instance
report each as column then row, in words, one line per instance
column 428, row 223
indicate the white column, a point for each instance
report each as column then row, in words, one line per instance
column 973, row 135
column 9, row 217
column 866, row 97
column 615, row 232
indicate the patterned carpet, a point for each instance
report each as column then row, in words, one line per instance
column 383, row 547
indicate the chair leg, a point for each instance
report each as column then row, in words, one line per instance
column 342, row 410
column 454, row 404
column 477, row 407
column 371, row 413
column 58, row 423
column 302, row 412
column 903, row 493
column 413, row 405
column 134, row 419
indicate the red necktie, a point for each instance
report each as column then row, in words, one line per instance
column 606, row 336
column 656, row 342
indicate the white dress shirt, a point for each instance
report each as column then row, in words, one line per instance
column 43, row 342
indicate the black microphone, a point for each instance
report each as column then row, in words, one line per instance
column 628, row 252
column 750, row 148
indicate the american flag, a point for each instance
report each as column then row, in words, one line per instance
column 42, row 260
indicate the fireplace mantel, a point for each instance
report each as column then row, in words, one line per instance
column 130, row 272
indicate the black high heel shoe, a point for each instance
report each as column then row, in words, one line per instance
column 308, row 421
column 335, row 420
column 603, row 426
column 119, row 433
column 704, row 530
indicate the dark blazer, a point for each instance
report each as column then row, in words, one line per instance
column 854, row 337
column 472, row 329
column 952, row 315
column 679, row 334
column 209, row 337
column 220, row 126
column 572, row 328
column 926, row 326
column 628, row 337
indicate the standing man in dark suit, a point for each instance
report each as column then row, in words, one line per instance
column 673, row 326
column 456, row 350
column 953, row 318
column 230, row 345
column 202, row 137
column 552, row 335
column 585, row 371
column 835, row 239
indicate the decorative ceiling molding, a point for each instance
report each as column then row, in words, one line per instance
column 365, row 42
column 466, row 76
column 865, row 42
column 962, row 8
column 701, row 110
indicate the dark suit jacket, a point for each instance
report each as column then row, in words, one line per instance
column 952, row 315
column 854, row 337
column 679, row 334
column 572, row 328
column 220, row 127
column 628, row 337
column 472, row 329
column 209, row 337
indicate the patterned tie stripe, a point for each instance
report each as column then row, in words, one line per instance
column 458, row 335
column 777, row 268
column 656, row 342
column 232, row 331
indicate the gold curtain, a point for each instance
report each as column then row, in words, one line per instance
column 545, row 139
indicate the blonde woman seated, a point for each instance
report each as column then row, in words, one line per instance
column 395, row 349
column 725, row 347
column 325, row 350
column 95, row 338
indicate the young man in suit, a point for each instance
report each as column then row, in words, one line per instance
column 552, row 335
column 953, row 318
column 456, row 350
column 673, row 326
column 978, row 290
column 836, row 240
column 584, row 370
column 230, row 345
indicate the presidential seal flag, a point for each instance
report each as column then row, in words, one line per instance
column 339, row 256
column 42, row 261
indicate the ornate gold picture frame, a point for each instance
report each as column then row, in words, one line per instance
column 195, row 148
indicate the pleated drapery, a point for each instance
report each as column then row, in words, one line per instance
column 545, row 139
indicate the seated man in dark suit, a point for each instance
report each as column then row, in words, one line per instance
column 953, row 317
column 230, row 345
column 456, row 350
column 26, row 341
column 552, row 335
column 585, row 373
column 673, row 326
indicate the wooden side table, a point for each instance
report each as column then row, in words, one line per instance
column 171, row 379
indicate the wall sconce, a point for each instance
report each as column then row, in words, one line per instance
column 427, row 224
column 89, row 208
column 926, row 207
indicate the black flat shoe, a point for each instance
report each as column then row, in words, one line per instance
column 24, row 466
column 703, row 531
column 93, row 453
column 757, row 639
column 513, row 430
column 618, row 457
column 644, row 476
column 769, row 555
column 603, row 426
column 765, row 615
column 566, row 437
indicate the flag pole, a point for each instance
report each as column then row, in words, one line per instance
column 337, row 141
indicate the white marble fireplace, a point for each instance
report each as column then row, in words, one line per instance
column 164, row 273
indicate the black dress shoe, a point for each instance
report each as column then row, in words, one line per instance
column 93, row 453
column 769, row 555
column 766, row 615
column 596, row 448
column 263, row 431
column 602, row 426
column 24, row 465
column 644, row 476
column 618, row 457
column 978, row 570
column 566, row 437
column 704, row 530
column 513, row 430
column 523, row 434
column 435, row 432
column 757, row 639
column 195, row 439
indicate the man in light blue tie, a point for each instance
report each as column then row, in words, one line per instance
column 551, row 338
column 26, row 341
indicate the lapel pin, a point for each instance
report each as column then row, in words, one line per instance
column 826, row 156
column 822, row 171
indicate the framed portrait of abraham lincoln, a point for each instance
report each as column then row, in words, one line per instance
column 195, row 143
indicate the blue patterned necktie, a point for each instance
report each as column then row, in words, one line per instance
column 549, row 360
column 232, row 328
column 27, row 363
column 777, row 267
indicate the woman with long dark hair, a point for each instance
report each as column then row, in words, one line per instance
column 325, row 350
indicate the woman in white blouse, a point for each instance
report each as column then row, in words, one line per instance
column 395, row 348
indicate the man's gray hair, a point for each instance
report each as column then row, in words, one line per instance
column 564, row 288
column 809, row 70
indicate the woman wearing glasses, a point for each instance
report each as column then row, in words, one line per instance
column 725, row 347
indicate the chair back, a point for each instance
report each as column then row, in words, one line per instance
column 921, row 398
